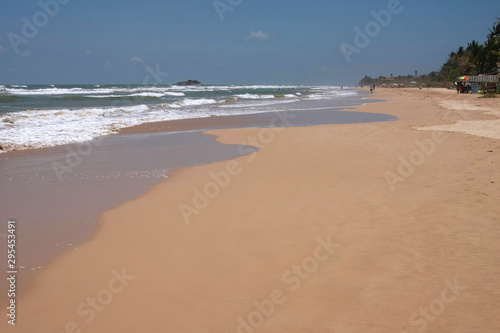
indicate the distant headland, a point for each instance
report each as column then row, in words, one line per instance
column 189, row 83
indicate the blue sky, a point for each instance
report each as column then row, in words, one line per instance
column 255, row 42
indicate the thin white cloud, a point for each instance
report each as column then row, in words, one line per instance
column 136, row 59
column 88, row 52
column 2, row 49
column 259, row 35
column 109, row 66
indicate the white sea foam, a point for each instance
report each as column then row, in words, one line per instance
column 58, row 91
column 195, row 102
column 254, row 96
column 43, row 128
column 167, row 90
column 173, row 93
column 96, row 91
column 146, row 94
column 331, row 92
column 234, row 87
column 277, row 87
column 105, row 96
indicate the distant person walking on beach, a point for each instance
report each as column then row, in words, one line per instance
column 371, row 89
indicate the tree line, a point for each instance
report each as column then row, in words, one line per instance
column 474, row 59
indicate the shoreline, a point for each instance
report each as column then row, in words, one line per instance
column 93, row 117
column 257, row 119
column 70, row 185
column 275, row 211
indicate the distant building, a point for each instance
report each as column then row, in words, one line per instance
column 416, row 74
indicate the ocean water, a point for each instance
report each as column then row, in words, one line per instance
column 35, row 116
column 58, row 194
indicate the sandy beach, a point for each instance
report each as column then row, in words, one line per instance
column 375, row 227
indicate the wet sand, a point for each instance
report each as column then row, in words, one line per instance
column 378, row 227
column 56, row 194
column 323, row 115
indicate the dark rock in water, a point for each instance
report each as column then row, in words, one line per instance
column 189, row 83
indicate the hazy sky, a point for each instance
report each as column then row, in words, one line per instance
column 232, row 41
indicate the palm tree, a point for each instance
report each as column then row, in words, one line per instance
column 477, row 55
column 492, row 48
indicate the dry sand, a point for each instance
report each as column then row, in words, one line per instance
column 375, row 227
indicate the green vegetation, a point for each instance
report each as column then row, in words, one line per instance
column 474, row 59
column 408, row 80
column 488, row 96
